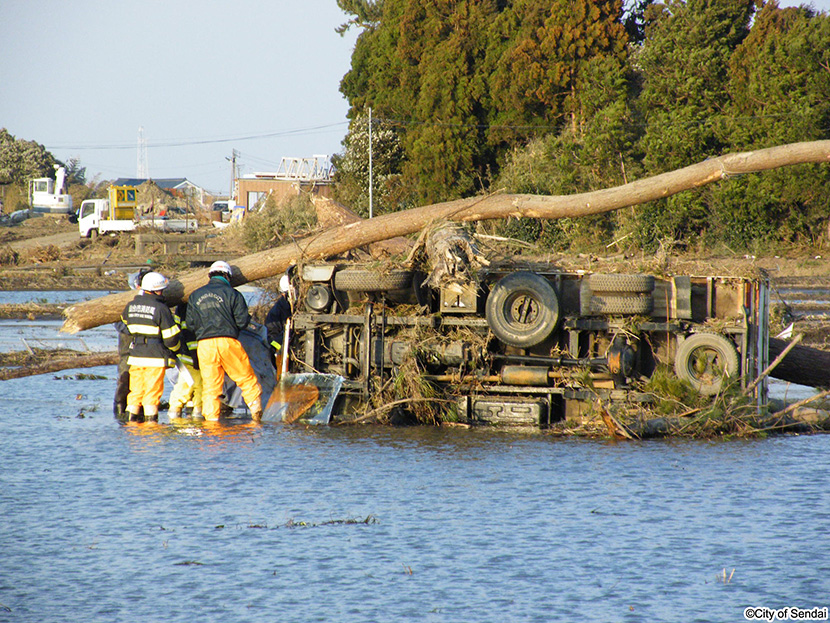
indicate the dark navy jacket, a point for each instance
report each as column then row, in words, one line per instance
column 217, row 310
column 187, row 351
column 275, row 322
column 155, row 334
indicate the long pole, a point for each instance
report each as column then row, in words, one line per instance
column 370, row 163
column 233, row 178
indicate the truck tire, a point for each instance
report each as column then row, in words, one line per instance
column 522, row 309
column 356, row 280
column 93, row 234
column 707, row 360
column 613, row 305
column 618, row 282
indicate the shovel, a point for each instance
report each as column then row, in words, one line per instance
column 289, row 402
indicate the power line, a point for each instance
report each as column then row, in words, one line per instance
column 208, row 141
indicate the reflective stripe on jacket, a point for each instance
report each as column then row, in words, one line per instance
column 154, row 331
column 187, row 350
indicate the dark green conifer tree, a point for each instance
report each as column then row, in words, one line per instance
column 779, row 83
column 684, row 63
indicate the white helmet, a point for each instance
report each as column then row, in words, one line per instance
column 153, row 282
column 221, row 267
column 285, row 283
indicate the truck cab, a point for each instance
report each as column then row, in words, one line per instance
column 114, row 214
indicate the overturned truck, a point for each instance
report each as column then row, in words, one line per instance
column 530, row 344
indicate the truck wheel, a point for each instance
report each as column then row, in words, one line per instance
column 522, row 309
column 93, row 234
column 615, row 282
column 706, row 360
column 355, row 280
column 610, row 305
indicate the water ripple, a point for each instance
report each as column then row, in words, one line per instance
column 234, row 522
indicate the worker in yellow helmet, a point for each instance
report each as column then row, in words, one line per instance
column 155, row 339
column 217, row 313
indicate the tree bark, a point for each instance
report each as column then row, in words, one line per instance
column 350, row 236
column 802, row 365
column 453, row 255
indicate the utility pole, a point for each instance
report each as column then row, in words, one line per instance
column 370, row 163
column 232, row 159
column 142, row 169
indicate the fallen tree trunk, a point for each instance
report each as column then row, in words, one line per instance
column 802, row 365
column 330, row 214
column 346, row 237
column 60, row 363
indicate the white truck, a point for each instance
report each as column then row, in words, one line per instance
column 117, row 213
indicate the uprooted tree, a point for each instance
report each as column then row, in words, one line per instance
column 343, row 238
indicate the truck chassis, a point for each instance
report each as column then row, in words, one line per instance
column 530, row 345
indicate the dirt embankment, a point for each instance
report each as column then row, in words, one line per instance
column 47, row 253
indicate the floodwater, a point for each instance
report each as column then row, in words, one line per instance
column 106, row 522
column 240, row 522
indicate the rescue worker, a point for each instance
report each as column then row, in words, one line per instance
column 155, row 338
column 122, row 386
column 216, row 313
column 186, row 389
column 276, row 320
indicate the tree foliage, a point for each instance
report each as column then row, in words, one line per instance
column 21, row 160
column 463, row 81
column 555, row 96
column 351, row 175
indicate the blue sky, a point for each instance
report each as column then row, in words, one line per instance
column 201, row 78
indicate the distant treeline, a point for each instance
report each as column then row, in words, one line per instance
column 565, row 96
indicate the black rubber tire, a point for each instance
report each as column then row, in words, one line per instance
column 522, row 309
column 618, row 282
column 707, row 360
column 357, row 280
column 611, row 305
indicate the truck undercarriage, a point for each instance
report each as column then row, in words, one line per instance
column 526, row 345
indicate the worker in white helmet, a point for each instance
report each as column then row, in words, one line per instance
column 122, row 386
column 276, row 320
column 217, row 313
column 155, row 339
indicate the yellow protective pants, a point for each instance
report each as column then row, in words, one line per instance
column 224, row 355
column 182, row 391
column 146, row 388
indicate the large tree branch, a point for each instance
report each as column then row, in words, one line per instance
column 346, row 237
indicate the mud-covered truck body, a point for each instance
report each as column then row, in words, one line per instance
column 529, row 344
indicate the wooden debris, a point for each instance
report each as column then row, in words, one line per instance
column 62, row 362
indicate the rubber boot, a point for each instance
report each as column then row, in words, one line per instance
column 197, row 413
column 151, row 414
column 256, row 412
